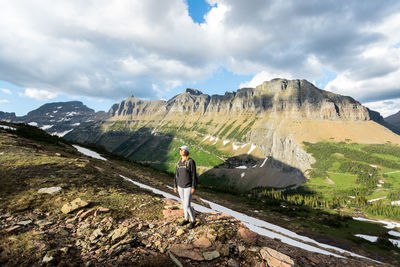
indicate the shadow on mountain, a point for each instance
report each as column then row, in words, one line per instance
column 245, row 172
column 376, row 116
column 140, row 145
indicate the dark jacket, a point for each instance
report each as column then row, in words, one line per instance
column 185, row 175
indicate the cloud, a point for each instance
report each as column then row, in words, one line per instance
column 38, row 94
column 385, row 108
column 112, row 48
column 6, row 91
column 4, row 101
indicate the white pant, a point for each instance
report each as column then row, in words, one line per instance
column 186, row 197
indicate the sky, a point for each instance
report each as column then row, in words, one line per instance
column 100, row 52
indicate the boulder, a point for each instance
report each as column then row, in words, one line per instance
column 186, row 251
column 118, row 233
column 49, row 190
column 275, row 258
column 202, row 242
column 74, row 205
column 248, row 235
column 210, row 255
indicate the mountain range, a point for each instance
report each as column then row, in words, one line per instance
column 249, row 138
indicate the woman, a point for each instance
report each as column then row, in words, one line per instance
column 185, row 183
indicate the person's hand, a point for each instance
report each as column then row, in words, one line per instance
column 192, row 191
column 175, row 190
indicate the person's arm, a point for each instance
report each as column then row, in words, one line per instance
column 193, row 174
column 175, row 177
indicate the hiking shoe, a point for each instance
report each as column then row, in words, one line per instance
column 191, row 225
column 184, row 222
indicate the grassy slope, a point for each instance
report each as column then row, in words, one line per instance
column 344, row 170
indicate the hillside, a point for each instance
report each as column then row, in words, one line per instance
column 232, row 133
column 115, row 222
column 394, row 119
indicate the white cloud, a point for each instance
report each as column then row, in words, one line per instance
column 6, row 91
column 263, row 76
column 386, row 107
column 111, row 48
column 38, row 94
column 5, row 101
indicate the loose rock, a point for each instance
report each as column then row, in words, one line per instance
column 73, row 205
column 49, row 190
column 275, row 258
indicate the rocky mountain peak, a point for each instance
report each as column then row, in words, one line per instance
column 193, row 91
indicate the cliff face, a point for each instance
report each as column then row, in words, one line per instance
column 290, row 98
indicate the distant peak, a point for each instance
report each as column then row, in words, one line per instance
column 193, row 91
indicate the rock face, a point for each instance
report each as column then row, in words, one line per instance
column 59, row 117
column 293, row 98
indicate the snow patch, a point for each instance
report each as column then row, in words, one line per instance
column 395, row 242
column 170, row 187
column 225, row 142
column 32, row 123
column 72, row 113
column 389, row 225
column 379, row 185
column 61, row 134
column 216, row 140
column 55, row 111
column 370, row 238
column 205, row 138
column 7, row 127
column 76, row 124
column 265, row 160
column 212, row 138
column 243, row 145
column 395, row 203
column 376, row 199
column 89, row 152
column 242, row 167
column 394, row 233
column 235, row 147
column 242, row 174
column 251, row 148
column 59, row 107
column 45, row 127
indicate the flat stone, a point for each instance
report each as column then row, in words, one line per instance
column 101, row 209
column 233, row 263
column 179, row 232
column 118, row 233
column 210, row 255
column 49, row 190
column 186, row 251
column 42, row 223
column 275, row 258
column 171, row 214
column 47, row 258
column 12, row 228
column 24, row 222
column 202, row 242
column 74, row 205
column 248, row 235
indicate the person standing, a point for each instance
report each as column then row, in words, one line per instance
column 185, row 183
